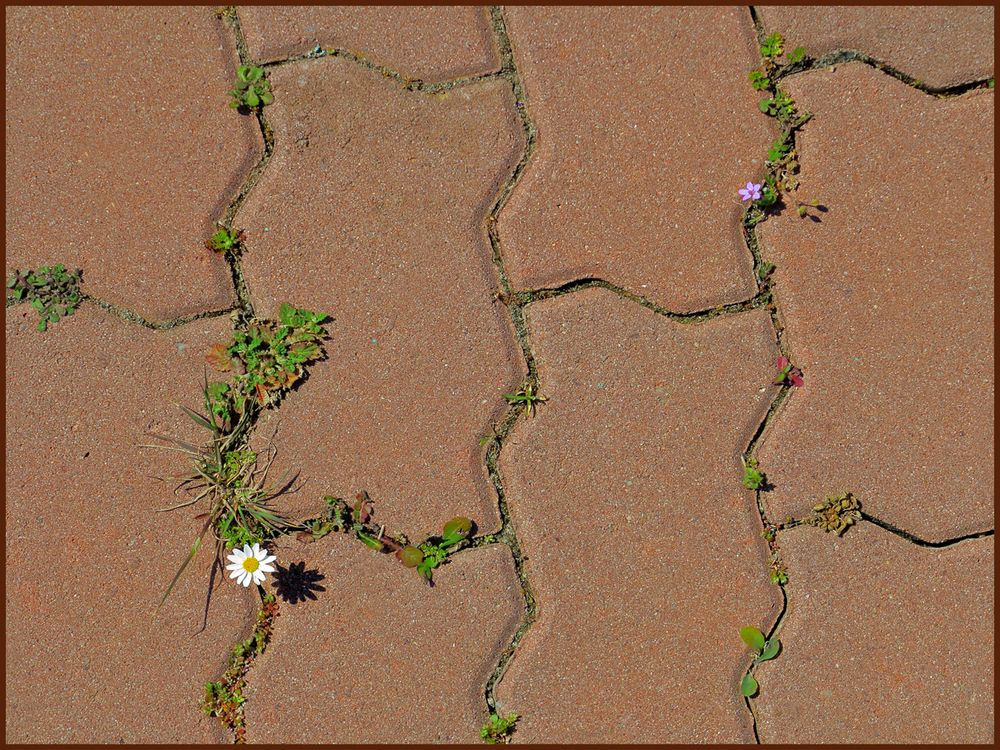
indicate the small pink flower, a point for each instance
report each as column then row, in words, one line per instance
column 750, row 192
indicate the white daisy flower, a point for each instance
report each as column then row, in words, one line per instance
column 250, row 564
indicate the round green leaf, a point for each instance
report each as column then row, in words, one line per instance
column 770, row 650
column 251, row 99
column 752, row 637
column 748, row 687
column 410, row 556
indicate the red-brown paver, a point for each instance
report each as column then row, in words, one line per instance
column 122, row 151
column 378, row 656
column 883, row 641
column 888, row 304
column 89, row 659
column 646, row 127
column 371, row 211
column 430, row 43
column 643, row 552
column 940, row 46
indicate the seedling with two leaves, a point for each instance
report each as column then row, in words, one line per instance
column 435, row 551
column 764, row 649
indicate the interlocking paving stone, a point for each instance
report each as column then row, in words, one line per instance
column 888, row 303
column 88, row 657
column 941, row 46
column 431, row 43
column 642, row 550
column 378, row 222
column 646, row 128
column 122, row 150
column 883, row 642
column 378, row 656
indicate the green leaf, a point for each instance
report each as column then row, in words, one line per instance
column 41, row 325
column 456, row 530
column 764, row 105
column 752, row 637
column 748, row 687
column 266, row 97
column 251, row 99
column 770, row 650
column 198, row 418
column 369, row 540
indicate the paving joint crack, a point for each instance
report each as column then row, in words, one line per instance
column 527, row 297
column 409, row 83
column 841, row 56
column 130, row 316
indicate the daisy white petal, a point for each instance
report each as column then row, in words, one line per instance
column 256, row 549
column 235, row 557
column 265, row 568
column 236, row 572
column 247, row 552
column 258, row 577
column 268, row 559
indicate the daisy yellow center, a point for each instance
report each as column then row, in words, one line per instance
column 251, row 564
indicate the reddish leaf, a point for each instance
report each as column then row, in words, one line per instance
column 218, row 358
column 796, row 377
column 782, row 362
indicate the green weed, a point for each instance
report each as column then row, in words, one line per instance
column 251, row 89
column 758, row 80
column 753, row 478
column 425, row 556
column 772, row 46
column 781, row 106
column 53, row 291
column 764, row 649
column 232, row 482
column 497, row 729
column 268, row 359
column 796, row 55
column 225, row 699
column 225, row 240
column 527, row 396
